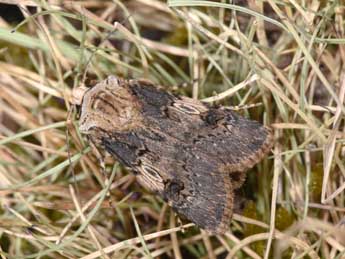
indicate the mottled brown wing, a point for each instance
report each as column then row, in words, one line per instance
column 186, row 178
column 191, row 154
column 204, row 197
column 236, row 142
column 231, row 141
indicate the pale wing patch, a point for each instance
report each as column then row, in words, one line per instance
column 150, row 177
column 189, row 106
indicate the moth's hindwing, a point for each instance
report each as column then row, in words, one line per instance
column 191, row 154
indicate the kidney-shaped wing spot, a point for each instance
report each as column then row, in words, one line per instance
column 150, row 178
column 185, row 108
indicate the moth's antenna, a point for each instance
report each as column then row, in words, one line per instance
column 73, row 108
column 68, row 123
column 68, row 119
column 100, row 43
column 69, row 128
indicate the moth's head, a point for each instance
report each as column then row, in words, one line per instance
column 107, row 106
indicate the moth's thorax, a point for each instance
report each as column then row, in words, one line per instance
column 108, row 106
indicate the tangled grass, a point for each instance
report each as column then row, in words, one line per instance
column 287, row 58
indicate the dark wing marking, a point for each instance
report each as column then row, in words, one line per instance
column 147, row 93
column 126, row 147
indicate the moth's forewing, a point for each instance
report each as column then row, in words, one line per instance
column 192, row 155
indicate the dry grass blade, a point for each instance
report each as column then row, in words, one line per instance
column 278, row 168
column 231, row 91
column 286, row 56
column 329, row 148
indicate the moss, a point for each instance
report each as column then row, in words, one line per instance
column 315, row 185
column 284, row 219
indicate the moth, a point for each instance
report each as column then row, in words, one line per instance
column 192, row 154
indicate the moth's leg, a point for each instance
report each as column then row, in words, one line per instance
column 99, row 157
column 69, row 127
column 239, row 201
column 180, row 224
column 174, row 216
